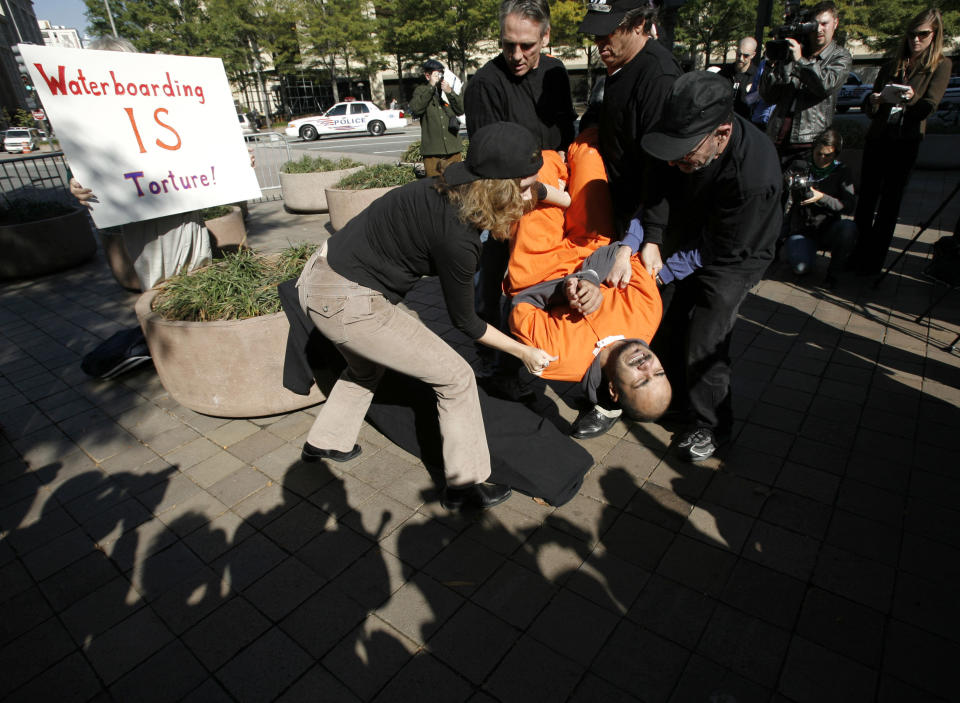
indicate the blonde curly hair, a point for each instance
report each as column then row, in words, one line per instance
column 493, row 204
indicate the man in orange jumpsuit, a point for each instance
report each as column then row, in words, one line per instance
column 558, row 265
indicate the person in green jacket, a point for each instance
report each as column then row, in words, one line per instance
column 437, row 106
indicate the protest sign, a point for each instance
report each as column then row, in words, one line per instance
column 151, row 135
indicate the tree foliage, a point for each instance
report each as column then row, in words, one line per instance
column 880, row 24
column 153, row 26
column 708, row 27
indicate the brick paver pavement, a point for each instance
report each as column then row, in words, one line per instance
column 148, row 553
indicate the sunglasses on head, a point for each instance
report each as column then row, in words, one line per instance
column 922, row 34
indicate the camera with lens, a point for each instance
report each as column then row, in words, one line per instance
column 799, row 185
column 798, row 24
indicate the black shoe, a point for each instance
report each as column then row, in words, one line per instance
column 312, row 453
column 699, row 444
column 591, row 423
column 478, row 495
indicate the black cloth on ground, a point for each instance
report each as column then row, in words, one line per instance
column 527, row 452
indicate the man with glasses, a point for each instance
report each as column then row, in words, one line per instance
column 640, row 72
column 714, row 204
column 805, row 84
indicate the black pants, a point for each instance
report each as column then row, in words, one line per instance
column 693, row 342
column 886, row 170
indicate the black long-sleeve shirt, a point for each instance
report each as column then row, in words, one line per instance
column 410, row 232
column 633, row 100
column 730, row 209
column 539, row 100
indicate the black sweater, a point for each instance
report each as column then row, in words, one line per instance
column 410, row 232
column 539, row 100
column 730, row 209
column 633, row 99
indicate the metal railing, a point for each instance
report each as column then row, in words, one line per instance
column 271, row 151
column 35, row 172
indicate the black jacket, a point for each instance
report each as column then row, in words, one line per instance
column 839, row 197
column 741, row 83
column 633, row 99
column 539, row 100
column 730, row 209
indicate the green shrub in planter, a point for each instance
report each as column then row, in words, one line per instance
column 238, row 286
column 309, row 164
column 412, row 155
column 212, row 213
column 379, row 176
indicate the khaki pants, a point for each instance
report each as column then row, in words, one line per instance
column 373, row 334
column 434, row 164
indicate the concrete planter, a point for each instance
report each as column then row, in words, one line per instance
column 347, row 204
column 229, row 368
column 227, row 233
column 306, row 192
column 44, row 246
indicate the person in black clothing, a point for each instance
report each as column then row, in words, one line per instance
column 351, row 292
column 717, row 189
column 528, row 88
column 640, row 72
column 742, row 74
column 821, row 191
column 523, row 85
column 906, row 92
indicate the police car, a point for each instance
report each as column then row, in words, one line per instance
column 346, row 117
column 854, row 93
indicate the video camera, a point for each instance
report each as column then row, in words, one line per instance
column 798, row 24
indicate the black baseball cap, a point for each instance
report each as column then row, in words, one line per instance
column 431, row 65
column 498, row 150
column 604, row 16
column 698, row 103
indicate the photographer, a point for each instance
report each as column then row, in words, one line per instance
column 907, row 90
column 803, row 80
column 820, row 191
column 437, row 106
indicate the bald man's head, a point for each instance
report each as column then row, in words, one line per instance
column 746, row 50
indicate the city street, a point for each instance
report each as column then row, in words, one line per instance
column 392, row 144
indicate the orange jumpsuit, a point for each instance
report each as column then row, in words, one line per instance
column 550, row 244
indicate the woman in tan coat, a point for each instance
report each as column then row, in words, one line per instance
column 906, row 91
